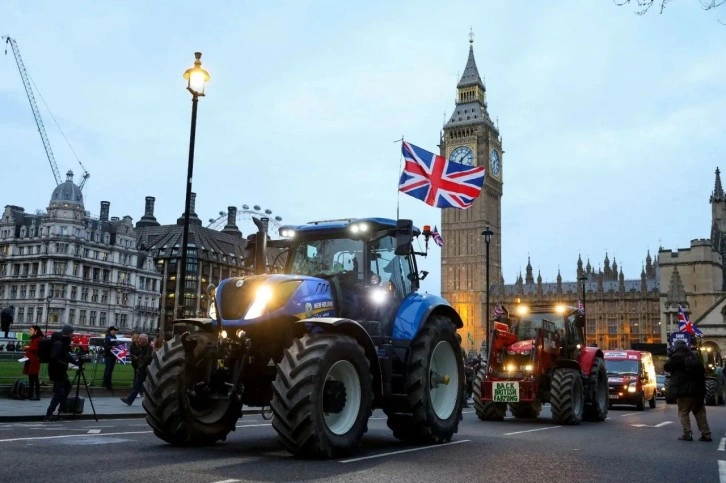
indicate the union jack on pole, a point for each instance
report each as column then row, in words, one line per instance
column 685, row 325
column 437, row 181
column 437, row 237
column 498, row 311
column 580, row 307
column 121, row 353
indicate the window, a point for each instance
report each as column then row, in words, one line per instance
column 23, row 291
column 84, row 293
column 82, row 317
column 104, row 296
column 94, row 295
column 31, row 291
column 74, row 292
column 20, row 315
column 93, row 318
column 102, row 319
column 14, row 292
column 58, row 291
column 71, row 316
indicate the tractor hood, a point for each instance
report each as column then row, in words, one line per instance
column 257, row 298
column 523, row 347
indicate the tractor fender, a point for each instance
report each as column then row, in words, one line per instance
column 353, row 329
column 203, row 324
column 416, row 309
column 568, row 364
column 587, row 357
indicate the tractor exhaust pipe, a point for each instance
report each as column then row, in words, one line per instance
column 261, row 244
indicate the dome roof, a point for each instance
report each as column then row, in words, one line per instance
column 67, row 193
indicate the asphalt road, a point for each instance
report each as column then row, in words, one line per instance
column 629, row 446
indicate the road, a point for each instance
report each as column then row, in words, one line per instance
column 629, row 446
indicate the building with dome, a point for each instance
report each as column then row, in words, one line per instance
column 65, row 266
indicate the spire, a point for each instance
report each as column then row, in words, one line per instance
column 471, row 99
column 718, row 189
column 621, row 280
column 559, row 282
column 579, row 266
column 471, row 77
column 530, row 278
column 588, row 267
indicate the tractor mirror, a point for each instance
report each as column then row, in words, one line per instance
column 404, row 237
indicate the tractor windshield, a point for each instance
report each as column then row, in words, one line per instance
column 327, row 257
column 527, row 325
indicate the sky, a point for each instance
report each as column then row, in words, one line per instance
column 612, row 122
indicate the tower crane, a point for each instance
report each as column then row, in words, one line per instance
column 36, row 113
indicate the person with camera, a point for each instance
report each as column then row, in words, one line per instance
column 109, row 358
column 60, row 362
column 145, row 354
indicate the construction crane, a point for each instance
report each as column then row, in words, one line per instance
column 36, row 114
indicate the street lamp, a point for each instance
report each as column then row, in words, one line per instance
column 583, row 278
column 487, row 239
column 196, row 78
column 47, row 311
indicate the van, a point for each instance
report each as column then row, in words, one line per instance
column 631, row 378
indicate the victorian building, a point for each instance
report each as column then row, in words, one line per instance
column 63, row 266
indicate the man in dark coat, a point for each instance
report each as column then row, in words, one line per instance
column 60, row 361
column 6, row 319
column 145, row 355
column 688, row 386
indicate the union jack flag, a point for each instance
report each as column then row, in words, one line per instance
column 437, row 181
column 685, row 325
column 121, row 353
column 498, row 311
column 580, row 307
column 437, row 237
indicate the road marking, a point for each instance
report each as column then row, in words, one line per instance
column 33, row 438
column 654, row 426
column 722, row 471
column 531, row 430
column 722, row 445
column 94, row 431
column 226, row 481
column 252, row 425
column 629, row 414
column 410, row 450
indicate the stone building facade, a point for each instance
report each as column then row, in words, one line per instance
column 64, row 266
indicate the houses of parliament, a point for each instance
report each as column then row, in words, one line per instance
column 620, row 312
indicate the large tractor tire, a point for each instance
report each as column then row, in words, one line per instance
column 322, row 396
column 171, row 410
column 434, row 384
column 597, row 409
column 486, row 410
column 711, row 398
column 526, row 410
column 567, row 396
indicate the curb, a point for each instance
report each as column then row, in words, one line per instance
column 89, row 415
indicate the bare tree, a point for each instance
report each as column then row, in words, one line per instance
column 644, row 5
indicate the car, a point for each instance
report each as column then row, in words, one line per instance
column 660, row 385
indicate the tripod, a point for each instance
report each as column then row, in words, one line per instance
column 77, row 382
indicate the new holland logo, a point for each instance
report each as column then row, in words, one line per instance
column 308, row 309
column 239, row 283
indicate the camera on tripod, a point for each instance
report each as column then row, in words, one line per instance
column 80, row 359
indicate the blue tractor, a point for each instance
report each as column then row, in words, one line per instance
column 329, row 327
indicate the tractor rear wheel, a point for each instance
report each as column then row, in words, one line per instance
column 526, row 410
column 322, row 396
column 173, row 412
column 597, row 408
column 566, row 396
column 667, row 390
column 434, row 385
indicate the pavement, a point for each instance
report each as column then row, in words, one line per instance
column 107, row 405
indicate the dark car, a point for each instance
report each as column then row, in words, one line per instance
column 660, row 386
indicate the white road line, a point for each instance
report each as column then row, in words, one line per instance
column 252, row 426
column 722, row 445
column 226, row 481
column 722, row 471
column 353, row 460
column 531, row 430
column 33, row 438
column 629, row 414
column 94, row 431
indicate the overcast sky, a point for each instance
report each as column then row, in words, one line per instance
column 612, row 123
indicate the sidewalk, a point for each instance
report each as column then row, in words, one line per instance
column 107, row 404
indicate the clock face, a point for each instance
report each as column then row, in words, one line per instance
column 494, row 164
column 463, row 155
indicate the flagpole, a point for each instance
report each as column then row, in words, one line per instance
column 400, row 169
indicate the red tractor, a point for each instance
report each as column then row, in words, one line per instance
column 539, row 356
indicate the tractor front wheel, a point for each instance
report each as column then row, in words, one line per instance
column 322, row 396
column 434, row 385
column 566, row 396
column 175, row 410
column 486, row 410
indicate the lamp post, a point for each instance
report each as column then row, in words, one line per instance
column 196, row 78
column 583, row 278
column 487, row 239
column 47, row 312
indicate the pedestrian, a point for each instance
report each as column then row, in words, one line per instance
column 146, row 353
column 32, row 365
column 109, row 358
column 6, row 319
column 134, row 352
column 688, row 386
column 60, row 362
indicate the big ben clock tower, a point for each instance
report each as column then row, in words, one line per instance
column 470, row 137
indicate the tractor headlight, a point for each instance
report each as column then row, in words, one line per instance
column 263, row 296
column 527, row 368
column 379, row 295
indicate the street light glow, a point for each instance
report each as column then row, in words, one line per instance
column 196, row 76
